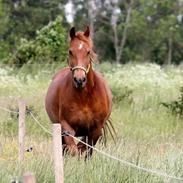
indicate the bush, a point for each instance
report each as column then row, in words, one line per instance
column 122, row 94
column 176, row 107
column 50, row 45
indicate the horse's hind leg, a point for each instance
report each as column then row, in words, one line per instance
column 70, row 146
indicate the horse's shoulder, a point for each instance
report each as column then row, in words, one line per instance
column 104, row 89
column 100, row 78
column 61, row 73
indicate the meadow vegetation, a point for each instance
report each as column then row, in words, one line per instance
column 148, row 134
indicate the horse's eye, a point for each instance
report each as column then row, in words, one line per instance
column 70, row 52
column 88, row 52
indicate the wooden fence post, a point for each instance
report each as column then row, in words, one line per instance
column 57, row 153
column 29, row 177
column 21, row 132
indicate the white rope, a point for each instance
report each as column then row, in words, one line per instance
column 7, row 110
column 39, row 123
column 156, row 172
column 43, row 128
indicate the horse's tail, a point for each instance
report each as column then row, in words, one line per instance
column 109, row 128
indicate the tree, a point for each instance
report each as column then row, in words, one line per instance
column 120, row 43
column 128, row 30
column 50, row 45
column 23, row 17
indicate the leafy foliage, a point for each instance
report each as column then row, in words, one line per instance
column 49, row 45
column 21, row 19
column 153, row 24
column 155, row 29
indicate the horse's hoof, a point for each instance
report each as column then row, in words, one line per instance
column 72, row 150
column 81, row 148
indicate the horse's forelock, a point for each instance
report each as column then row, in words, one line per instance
column 88, row 41
column 82, row 37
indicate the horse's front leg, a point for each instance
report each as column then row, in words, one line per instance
column 82, row 147
column 92, row 139
column 69, row 145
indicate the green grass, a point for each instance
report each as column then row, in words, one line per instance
column 147, row 134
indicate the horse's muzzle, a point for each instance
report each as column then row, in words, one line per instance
column 80, row 82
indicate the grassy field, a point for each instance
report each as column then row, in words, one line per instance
column 147, row 133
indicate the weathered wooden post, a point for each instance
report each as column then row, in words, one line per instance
column 21, row 132
column 57, row 153
column 29, row 177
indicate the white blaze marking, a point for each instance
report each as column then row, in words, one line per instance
column 80, row 46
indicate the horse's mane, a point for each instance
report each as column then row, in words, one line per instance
column 88, row 41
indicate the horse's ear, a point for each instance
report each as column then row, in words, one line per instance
column 72, row 32
column 87, row 31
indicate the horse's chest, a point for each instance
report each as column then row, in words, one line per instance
column 75, row 112
column 83, row 114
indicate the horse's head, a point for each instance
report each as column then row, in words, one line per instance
column 80, row 56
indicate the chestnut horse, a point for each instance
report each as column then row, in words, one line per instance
column 78, row 97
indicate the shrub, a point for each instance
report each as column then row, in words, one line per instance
column 176, row 107
column 122, row 94
column 50, row 45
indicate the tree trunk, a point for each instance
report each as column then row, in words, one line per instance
column 124, row 37
column 91, row 16
column 116, row 44
column 119, row 44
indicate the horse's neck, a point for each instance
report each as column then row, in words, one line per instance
column 90, row 79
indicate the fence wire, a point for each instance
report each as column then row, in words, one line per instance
column 8, row 110
column 43, row 128
column 156, row 172
column 151, row 171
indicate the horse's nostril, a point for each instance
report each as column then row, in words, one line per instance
column 79, row 81
column 84, row 79
column 75, row 79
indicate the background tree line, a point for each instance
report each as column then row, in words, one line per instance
column 123, row 30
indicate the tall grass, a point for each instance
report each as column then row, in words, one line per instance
column 147, row 134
